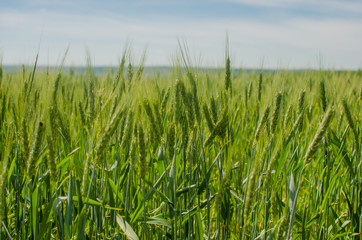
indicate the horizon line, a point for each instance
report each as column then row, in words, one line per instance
column 105, row 66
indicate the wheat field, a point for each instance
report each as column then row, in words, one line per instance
column 188, row 154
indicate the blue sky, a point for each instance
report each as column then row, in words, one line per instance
column 262, row 33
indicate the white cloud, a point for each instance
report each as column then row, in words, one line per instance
column 295, row 43
column 341, row 5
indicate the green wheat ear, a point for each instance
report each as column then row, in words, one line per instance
column 208, row 119
column 63, row 123
column 319, row 134
column 214, row 109
column 82, row 114
column 228, row 83
column 227, row 74
column 301, row 107
column 275, row 115
column 155, row 127
column 288, row 116
column 322, row 94
column 51, row 157
column 165, row 101
column 219, row 129
column 350, row 121
column 301, row 99
column 261, row 124
column 250, row 90
column 34, row 154
column 108, row 133
column 260, row 86
column 127, row 132
column 190, row 109
column 178, row 101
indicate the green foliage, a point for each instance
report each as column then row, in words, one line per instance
column 182, row 155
